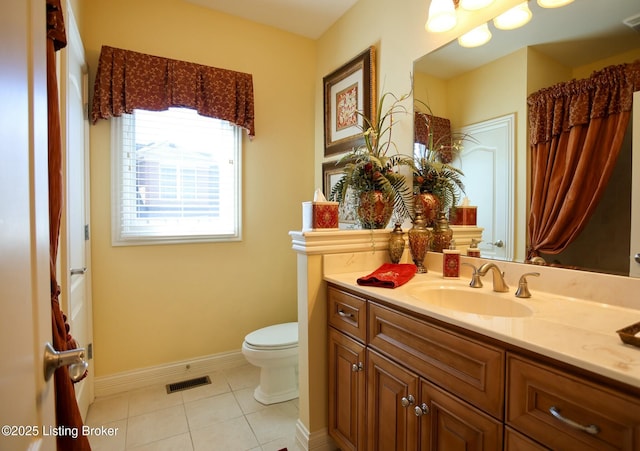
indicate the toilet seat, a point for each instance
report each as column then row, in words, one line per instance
column 279, row 336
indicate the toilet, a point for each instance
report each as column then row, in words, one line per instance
column 274, row 349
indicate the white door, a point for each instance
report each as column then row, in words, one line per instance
column 634, row 264
column 73, row 271
column 27, row 400
column 488, row 166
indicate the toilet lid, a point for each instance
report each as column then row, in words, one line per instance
column 274, row 336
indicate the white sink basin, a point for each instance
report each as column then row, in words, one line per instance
column 470, row 300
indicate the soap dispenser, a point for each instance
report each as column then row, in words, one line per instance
column 451, row 262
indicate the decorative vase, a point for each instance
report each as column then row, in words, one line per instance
column 430, row 207
column 442, row 234
column 396, row 243
column 374, row 210
column 419, row 239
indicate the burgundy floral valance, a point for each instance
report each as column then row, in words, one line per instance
column 556, row 109
column 128, row 80
column 431, row 130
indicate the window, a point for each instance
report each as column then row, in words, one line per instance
column 176, row 178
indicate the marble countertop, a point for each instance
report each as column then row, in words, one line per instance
column 575, row 331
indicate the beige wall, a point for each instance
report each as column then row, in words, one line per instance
column 159, row 304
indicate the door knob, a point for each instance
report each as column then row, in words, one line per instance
column 637, row 257
column 407, row 401
column 78, row 271
column 498, row 243
column 55, row 359
column 422, row 409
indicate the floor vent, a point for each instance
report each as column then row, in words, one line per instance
column 186, row 385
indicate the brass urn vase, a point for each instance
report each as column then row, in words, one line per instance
column 396, row 243
column 419, row 239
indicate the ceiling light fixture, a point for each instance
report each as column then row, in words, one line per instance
column 476, row 37
column 442, row 16
column 474, row 5
column 553, row 3
column 513, row 18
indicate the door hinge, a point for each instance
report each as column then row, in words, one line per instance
column 86, row 232
column 89, row 351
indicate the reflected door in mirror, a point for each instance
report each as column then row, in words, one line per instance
column 488, row 166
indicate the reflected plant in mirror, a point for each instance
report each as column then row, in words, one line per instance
column 436, row 182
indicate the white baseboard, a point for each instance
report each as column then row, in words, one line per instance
column 316, row 441
column 167, row 373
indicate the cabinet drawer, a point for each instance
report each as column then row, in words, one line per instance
column 535, row 390
column 470, row 369
column 348, row 313
column 514, row 441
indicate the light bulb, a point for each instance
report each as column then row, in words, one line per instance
column 553, row 3
column 442, row 16
column 513, row 18
column 473, row 5
column 476, row 37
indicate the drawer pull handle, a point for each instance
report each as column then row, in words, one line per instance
column 591, row 429
column 357, row 367
column 345, row 314
column 422, row 409
column 407, row 401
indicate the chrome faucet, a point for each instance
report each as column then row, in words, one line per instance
column 498, row 276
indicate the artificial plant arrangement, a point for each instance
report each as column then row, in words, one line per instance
column 371, row 171
column 432, row 169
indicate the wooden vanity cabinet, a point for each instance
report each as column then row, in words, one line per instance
column 405, row 412
column 347, row 360
column 346, row 391
column 400, row 381
column 405, row 409
column 472, row 370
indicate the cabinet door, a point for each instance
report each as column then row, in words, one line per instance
column 346, row 391
column 391, row 393
column 450, row 424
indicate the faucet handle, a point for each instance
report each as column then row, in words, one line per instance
column 476, row 282
column 523, row 287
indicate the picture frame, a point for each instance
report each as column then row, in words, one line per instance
column 348, row 90
column 332, row 172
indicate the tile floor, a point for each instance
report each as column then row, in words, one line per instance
column 222, row 416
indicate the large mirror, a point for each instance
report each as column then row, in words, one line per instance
column 484, row 90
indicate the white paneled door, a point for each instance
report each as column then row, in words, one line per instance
column 75, row 269
column 488, row 165
column 27, row 400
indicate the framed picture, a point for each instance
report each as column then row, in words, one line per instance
column 347, row 91
column 331, row 174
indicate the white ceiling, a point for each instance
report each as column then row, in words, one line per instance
column 577, row 34
column 309, row 18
